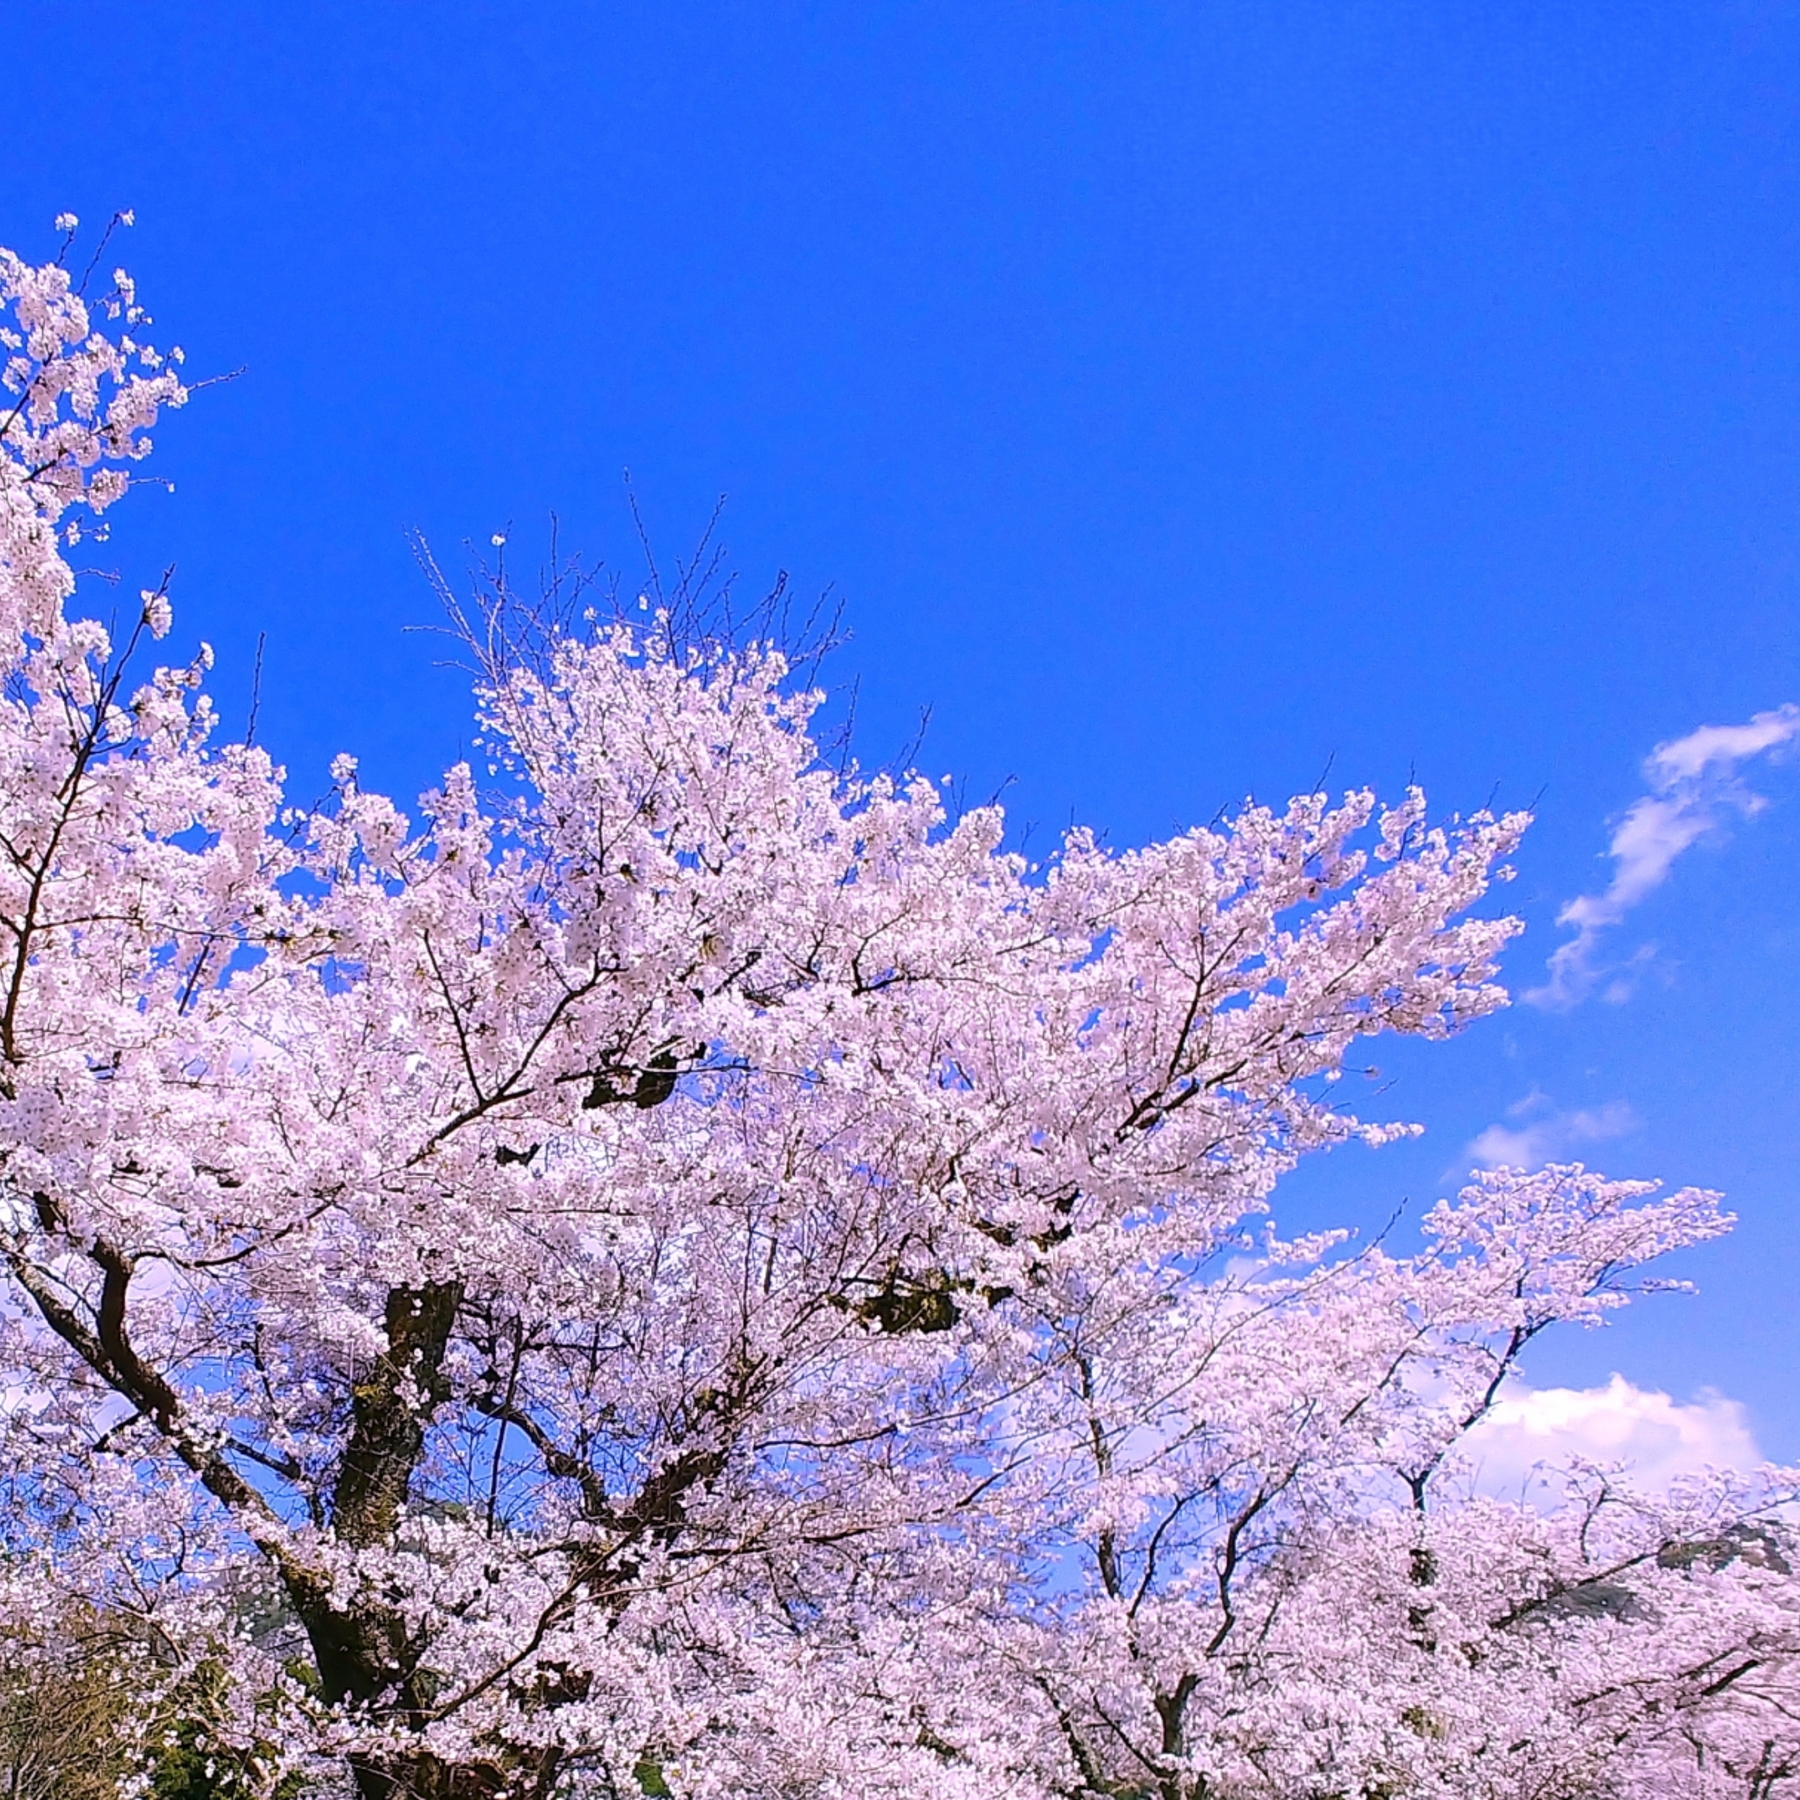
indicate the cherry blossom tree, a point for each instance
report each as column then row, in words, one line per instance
column 688, row 1271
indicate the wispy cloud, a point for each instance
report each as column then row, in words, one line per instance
column 1539, row 1133
column 1535, row 1429
column 1693, row 784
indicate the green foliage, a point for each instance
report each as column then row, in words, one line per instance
column 64, row 1724
column 649, row 1777
column 192, row 1764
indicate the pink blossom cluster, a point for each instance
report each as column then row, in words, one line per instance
column 697, row 1272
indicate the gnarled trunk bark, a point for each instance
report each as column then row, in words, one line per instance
column 361, row 1649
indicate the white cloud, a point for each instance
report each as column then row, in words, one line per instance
column 1692, row 786
column 1659, row 1438
column 1541, row 1134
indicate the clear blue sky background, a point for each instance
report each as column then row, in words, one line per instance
column 1181, row 397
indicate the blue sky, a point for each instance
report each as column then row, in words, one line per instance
column 1183, row 399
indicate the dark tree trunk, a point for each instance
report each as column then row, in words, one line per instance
column 361, row 1649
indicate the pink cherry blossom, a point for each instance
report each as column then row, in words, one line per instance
column 701, row 1273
